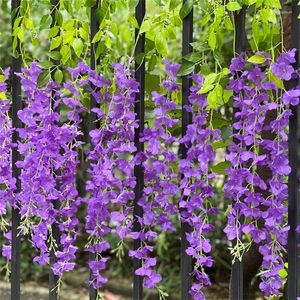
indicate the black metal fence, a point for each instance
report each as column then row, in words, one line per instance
column 186, row 261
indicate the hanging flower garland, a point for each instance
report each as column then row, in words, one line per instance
column 161, row 178
column 7, row 182
column 112, row 164
column 48, row 149
column 195, row 202
column 259, row 203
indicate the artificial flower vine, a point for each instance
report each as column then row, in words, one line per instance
column 49, row 145
column 111, row 169
column 198, row 191
column 49, row 153
column 259, row 205
column 7, row 182
column 161, row 179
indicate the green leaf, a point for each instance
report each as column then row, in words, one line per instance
column 186, row 9
column 221, row 167
column 55, row 42
column 89, row 3
column 53, row 31
column 133, row 4
column 233, row 6
column 257, row 59
column 205, row 20
column 78, row 46
column 84, row 34
column 174, row 4
column 193, row 57
column 65, row 51
column 212, row 39
column 28, row 23
column 20, row 34
column 186, row 68
column 58, row 76
column 43, row 78
column 55, row 55
column 59, row 18
column 46, row 64
column 161, row 45
column 283, row 273
column 45, row 22
column 220, row 144
column 215, row 97
column 97, row 37
column 152, row 63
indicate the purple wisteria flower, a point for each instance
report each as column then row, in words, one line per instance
column 49, row 152
column 7, row 182
column 112, row 164
column 258, row 200
column 197, row 188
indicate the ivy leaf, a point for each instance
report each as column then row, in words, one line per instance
column 233, row 6
column 186, row 9
column 78, row 46
column 43, row 78
column 58, row 76
column 221, row 167
column 257, row 59
column 186, row 68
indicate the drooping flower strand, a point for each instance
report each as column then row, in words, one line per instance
column 7, row 182
column 49, row 159
column 195, row 202
column 258, row 154
column 161, row 179
column 111, row 169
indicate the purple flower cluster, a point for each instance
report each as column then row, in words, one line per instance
column 7, row 182
column 112, row 164
column 258, row 147
column 49, row 153
column 197, row 189
column 161, row 180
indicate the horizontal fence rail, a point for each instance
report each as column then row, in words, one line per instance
column 186, row 267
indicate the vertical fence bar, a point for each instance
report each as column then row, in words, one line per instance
column 186, row 265
column 94, row 27
column 53, row 279
column 16, row 123
column 237, row 292
column 293, row 183
column 139, row 110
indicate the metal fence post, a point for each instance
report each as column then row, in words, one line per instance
column 237, row 292
column 16, row 123
column 139, row 109
column 94, row 27
column 53, row 279
column 186, row 265
column 293, row 183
